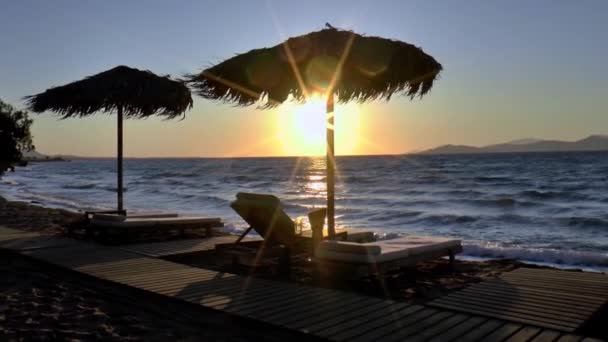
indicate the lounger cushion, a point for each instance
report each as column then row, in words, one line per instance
column 391, row 250
column 109, row 217
column 350, row 247
column 116, row 217
column 156, row 222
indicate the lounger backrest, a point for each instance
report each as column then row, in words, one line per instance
column 264, row 213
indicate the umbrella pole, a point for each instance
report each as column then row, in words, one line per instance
column 330, row 165
column 119, row 160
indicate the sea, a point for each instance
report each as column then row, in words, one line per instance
column 545, row 208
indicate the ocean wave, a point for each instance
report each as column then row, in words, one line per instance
column 446, row 219
column 177, row 174
column 113, row 188
column 54, row 201
column 585, row 222
column 393, row 215
column 79, row 186
column 356, row 179
column 239, row 178
column 493, row 179
column 464, row 193
column 504, row 202
column 545, row 255
column 8, row 181
column 571, row 195
column 501, row 202
column 211, row 199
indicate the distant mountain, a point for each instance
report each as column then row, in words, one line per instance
column 591, row 143
column 524, row 141
column 34, row 155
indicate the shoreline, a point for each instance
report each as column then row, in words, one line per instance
column 34, row 213
column 38, row 300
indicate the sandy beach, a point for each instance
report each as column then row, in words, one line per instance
column 39, row 304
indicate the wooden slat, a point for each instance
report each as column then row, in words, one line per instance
column 458, row 330
column 347, row 312
column 382, row 309
column 162, row 276
column 345, row 307
column 280, row 295
column 286, row 296
column 427, row 323
column 116, row 266
column 161, row 284
column 555, row 299
column 518, row 302
column 140, row 269
column 541, row 293
column 228, row 286
column 339, row 308
column 178, row 247
column 307, row 306
column 438, row 328
column 254, row 294
column 517, row 314
column 581, row 280
column 562, row 273
column 569, row 338
column 374, row 331
column 509, row 316
column 390, row 315
column 561, row 287
column 166, row 279
column 554, row 285
column 481, row 331
column 502, row 333
column 572, row 308
column 520, row 311
column 524, row 334
column 546, row 336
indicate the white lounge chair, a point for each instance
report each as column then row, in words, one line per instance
column 109, row 224
column 378, row 258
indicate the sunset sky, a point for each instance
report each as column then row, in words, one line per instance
column 512, row 70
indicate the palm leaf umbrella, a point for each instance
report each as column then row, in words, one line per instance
column 129, row 92
column 339, row 64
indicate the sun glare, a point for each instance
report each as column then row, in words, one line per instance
column 302, row 127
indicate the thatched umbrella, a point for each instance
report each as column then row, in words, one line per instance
column 131, row 93
column 336, row 63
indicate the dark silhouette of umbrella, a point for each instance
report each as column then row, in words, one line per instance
column 339, row 64
column 131, row 93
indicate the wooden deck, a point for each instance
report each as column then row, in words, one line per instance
column 179, row 247
column 546, row 298
column 310, row 311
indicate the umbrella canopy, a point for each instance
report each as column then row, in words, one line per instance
column 336, row 63
column 129, row 92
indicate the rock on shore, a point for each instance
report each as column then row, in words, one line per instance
column 31, row 217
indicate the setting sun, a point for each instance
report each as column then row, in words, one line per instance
column 301, row 127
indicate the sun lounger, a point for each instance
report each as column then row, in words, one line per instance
column 109, row 224
column 264, row 214
column 383, row 256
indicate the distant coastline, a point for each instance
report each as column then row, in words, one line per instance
column 592, row 143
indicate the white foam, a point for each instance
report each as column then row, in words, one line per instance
column 553, row 257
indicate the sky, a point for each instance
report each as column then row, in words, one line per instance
column 512, row 69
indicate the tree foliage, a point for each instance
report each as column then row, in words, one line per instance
column 15, row 136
